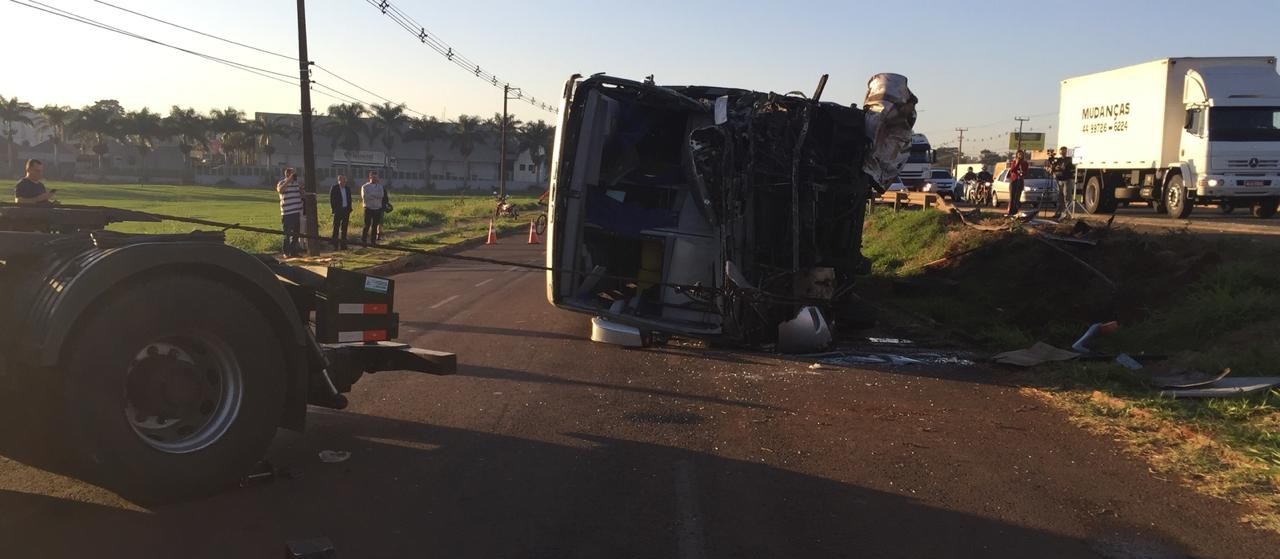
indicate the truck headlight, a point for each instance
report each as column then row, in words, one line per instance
column 1214, row 183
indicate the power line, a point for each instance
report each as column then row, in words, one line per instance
column 343, row 96
column 406, row 22
column 209, row 35
column 40, row 6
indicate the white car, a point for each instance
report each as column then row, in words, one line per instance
column 941, row 182
column 1038, row 188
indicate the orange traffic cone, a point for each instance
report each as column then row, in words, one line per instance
column 493, row 237
column 533, row 235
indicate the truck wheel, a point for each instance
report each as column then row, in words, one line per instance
column 1098, row 200
column 1226, row 207
column 1265, row 208
column 1175, row 198
column 173, row 388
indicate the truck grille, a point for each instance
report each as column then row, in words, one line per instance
column 1253, row 163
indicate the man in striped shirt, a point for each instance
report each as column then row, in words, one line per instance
column 290, row 211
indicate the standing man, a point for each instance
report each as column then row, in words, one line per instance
column 372, row 196
column 1017, row 171
column 30, row 190
column 340, row 203
column 1064, row 171
column 290, row 211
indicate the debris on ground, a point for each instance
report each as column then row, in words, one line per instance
column 334, row 456
column 314, row 548
column 1038, row 354
column 1225, row 388
column 1081, row 345
column 1127, row 361
column 1187, row 379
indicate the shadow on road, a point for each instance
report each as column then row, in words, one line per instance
column 417, row 490
column 485, row 330
column 497, row 373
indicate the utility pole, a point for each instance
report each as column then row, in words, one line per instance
column 1020, row 119
column 502, row 165
column 311, row 227
column 960, row 150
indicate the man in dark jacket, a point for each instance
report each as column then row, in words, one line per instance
column 340, row 203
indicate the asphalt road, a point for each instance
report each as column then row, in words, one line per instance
column 1203, row 220
column 545, row 445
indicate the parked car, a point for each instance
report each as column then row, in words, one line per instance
column 1038, row 188
column 941, row 182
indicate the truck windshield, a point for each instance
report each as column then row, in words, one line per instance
column 919, row 154
column 1244, row 124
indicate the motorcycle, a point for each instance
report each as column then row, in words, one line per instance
column 504, row 208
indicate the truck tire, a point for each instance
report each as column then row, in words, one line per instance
column 1098, row 200
column 1265, row 208
column 173, row 388
column 1175, row 198
column 1226, row 207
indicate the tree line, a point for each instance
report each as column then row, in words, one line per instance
column 350, row 126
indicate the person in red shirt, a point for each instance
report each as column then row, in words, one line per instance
column 1017, row 170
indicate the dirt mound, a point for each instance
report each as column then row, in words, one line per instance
column 1041, row 286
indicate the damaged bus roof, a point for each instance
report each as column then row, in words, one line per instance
column 715, row 212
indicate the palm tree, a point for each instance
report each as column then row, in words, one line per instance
column 345, row 126
column 389, row 122
column 191, row 128
column 55, row 119
column 13, row 111
column 263, row 129
column 222, row 124
column 427, row 130
column 536, row 138
column 97, row 123
column 142, row 129
column 467, row 132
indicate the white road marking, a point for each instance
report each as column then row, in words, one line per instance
column 513, row 268
column 442, row 303
column 484, row 282
column 690, row 542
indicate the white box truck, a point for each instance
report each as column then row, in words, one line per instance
column 1176, row 132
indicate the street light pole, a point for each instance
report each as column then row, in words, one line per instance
column 311, row 219
column 1020, row 119
column 502, row 164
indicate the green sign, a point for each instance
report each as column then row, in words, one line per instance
column 1031, row 141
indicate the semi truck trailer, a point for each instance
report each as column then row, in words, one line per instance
column 1176, row 132
column 165, row 363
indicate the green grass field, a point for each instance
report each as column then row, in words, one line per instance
column 443, row 214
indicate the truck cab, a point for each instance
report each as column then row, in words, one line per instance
column 1230, row 141
column 914, row 163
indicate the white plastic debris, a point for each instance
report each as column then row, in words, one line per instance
column 808, row 331
column 334, row 456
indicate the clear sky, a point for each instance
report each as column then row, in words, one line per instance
column 974, row 64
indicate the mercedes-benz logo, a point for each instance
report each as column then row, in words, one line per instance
column 1253, row 162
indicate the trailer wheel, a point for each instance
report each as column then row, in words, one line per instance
column 1226, row 207
column 1265, row 208
column 1098, row 200
column 1175, row 198
column 174, row 388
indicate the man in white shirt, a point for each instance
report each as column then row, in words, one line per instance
column 372, row 195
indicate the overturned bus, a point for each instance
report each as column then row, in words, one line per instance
column 716, row 213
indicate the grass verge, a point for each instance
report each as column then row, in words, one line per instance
column 1206, row 302
column 448, row 217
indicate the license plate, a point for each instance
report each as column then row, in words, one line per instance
column 1254, row 183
